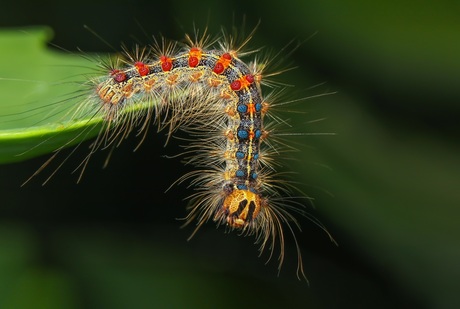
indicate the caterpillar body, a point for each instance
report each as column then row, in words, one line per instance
column 206, row 90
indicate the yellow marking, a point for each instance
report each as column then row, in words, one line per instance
column 251, row 111
column 148, row 83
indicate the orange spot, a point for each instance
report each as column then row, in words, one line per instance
column 225, row 95
column 230, row 111
column 172, row 79
column 214, row 82
column 245, row 82
column 251, row 108
column 148, row 84
column 108, row 95
column 128, row 90
column 195, row 52
column 196, row 76
column 229, row 135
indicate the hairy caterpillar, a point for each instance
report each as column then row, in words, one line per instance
column 206, row 90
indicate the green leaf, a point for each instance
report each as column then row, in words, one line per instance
column 39, row 87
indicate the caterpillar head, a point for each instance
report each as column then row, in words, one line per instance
column 240, row 208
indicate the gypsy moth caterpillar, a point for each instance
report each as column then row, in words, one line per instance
column 204, row 88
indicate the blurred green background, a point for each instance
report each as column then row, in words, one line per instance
column 112, row 241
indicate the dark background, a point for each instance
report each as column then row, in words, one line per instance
column 113, row 241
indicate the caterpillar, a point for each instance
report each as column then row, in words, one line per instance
column 203, row 88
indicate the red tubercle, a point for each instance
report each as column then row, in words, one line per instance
column 194, row 56
column 218, row 68
column 142, row 68
column 242, row 82
column 249, row 78
column 236, row 85
column 222, row 63
column 193, row 61
column 166, row 63
column 118, row 76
